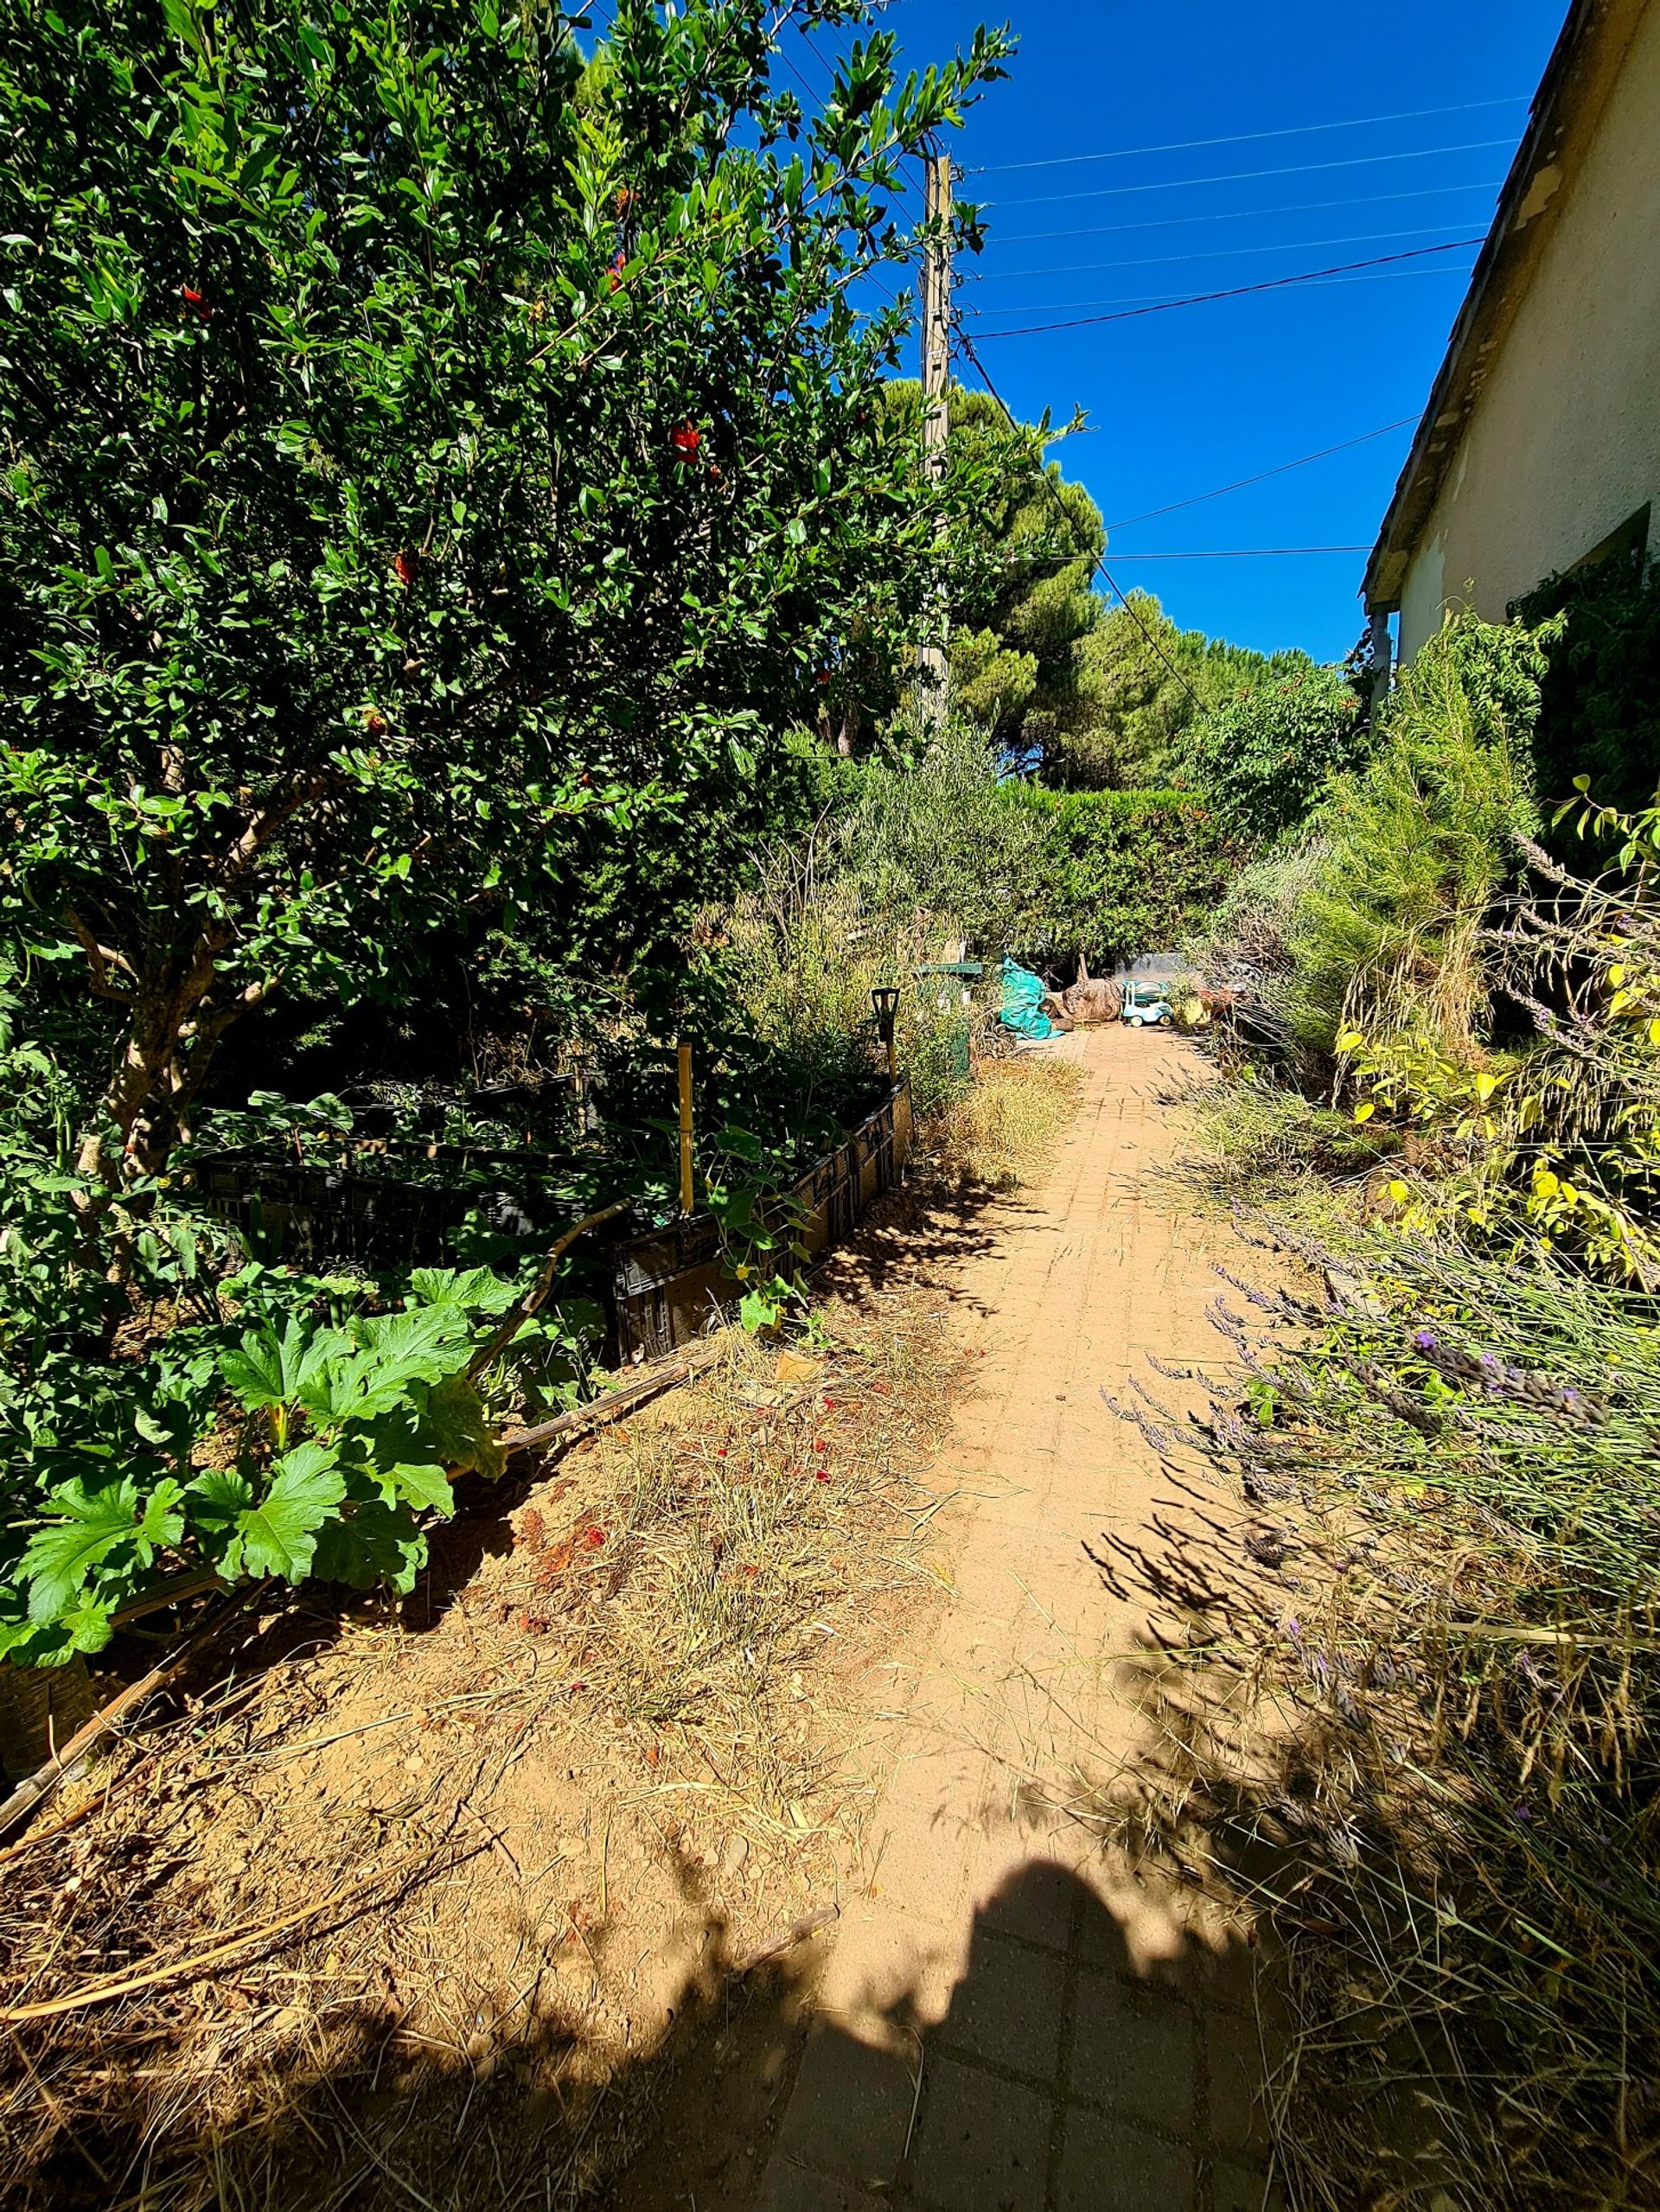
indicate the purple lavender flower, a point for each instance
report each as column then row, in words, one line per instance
column 1427, row 1340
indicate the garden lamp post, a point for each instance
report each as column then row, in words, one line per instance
column 885, row 996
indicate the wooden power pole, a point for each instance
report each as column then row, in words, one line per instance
column 937, row 376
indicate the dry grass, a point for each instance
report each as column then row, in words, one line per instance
column 623, row 1736
column 421, row 1904
column 1000, row 1135
column 1414, row 1728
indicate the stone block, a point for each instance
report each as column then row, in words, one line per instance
column 983, row 2145
column 1132, row 2051
column 1109, row 2166
column 850, row 2111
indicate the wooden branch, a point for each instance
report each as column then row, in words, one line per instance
column 514, row 1320
column 797, row 1932
column 236, row 863
column 100, row 959
column 653, row 1382
column 100, row 1992
column 36, row 1788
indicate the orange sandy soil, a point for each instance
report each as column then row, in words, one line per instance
column 424, row 1905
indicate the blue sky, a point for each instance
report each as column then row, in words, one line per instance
column 1183, row 402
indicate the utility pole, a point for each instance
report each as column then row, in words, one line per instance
column 937, row 376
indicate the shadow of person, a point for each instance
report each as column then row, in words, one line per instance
column 1057, row 2077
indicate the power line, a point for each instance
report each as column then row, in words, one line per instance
column 1246, row 137
column 1249, row 175
column 1221, row 215
column 1226, row 253
column 1099, row 560
column 1237, row 292
column 1246, row 554
column 796, row 73
column 1284, row 468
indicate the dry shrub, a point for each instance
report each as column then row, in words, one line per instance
column 1419, row 1724
column 1001, row 1135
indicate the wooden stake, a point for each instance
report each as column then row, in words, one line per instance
column 683, row 1052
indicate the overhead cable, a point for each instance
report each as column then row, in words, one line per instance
column 1249, row 175
column 1214, row 215
column 1236, row 292
column 1223, row 253
column 1246, row 553
column 1246, row 138
column 1284, row 468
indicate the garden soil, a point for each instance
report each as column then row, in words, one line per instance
column 693, row 1766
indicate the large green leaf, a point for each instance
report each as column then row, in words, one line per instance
column 279, row 1536
column 476, row 1290
column 268, row 1370
column 219, row 1497
column 101, row 1523
column 456, row 1429
column 379, row 1543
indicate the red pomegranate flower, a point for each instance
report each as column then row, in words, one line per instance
column 403, row 567
column 618, row 265
column 686, row 438
column 193, row 298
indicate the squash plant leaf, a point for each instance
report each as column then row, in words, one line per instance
column 379, row 1545
column 458, row 1431
column 475, row 1290
column 279, row 1536
column 106, row 1524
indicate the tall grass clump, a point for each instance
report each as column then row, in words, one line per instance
column 800, row 953
column 1414, row 847
column 1456, row 1655
column 1426, row 1729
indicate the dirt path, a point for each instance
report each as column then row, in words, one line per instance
column 1009, row 2019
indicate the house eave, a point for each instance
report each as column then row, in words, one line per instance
column 1566, row 111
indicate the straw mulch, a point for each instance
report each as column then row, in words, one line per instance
column 407, row 1906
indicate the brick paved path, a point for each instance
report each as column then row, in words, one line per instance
column 1010, row 2022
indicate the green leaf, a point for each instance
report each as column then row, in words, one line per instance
column 58, row 1560
column 457, row 1429
column 379, row 1545
column 424, row 1486
column 479, row 1290
column 277, row 1537
column 218, row 1498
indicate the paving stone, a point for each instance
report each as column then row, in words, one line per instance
column 1009, row 2009
column 850, row 2111
column 1109, row 2166
column 1133, row 2050
column 1235, row 2188
column 1035, row 1902
column 983, row 2145
column 787, row 2188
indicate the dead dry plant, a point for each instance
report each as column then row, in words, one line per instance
column 1000, row 1135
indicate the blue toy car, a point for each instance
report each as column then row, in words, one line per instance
column 1146, row 1005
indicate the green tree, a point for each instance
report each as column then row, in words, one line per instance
column 428, row 462
column 1264, row 759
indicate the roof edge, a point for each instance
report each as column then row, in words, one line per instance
column 1566, row 110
